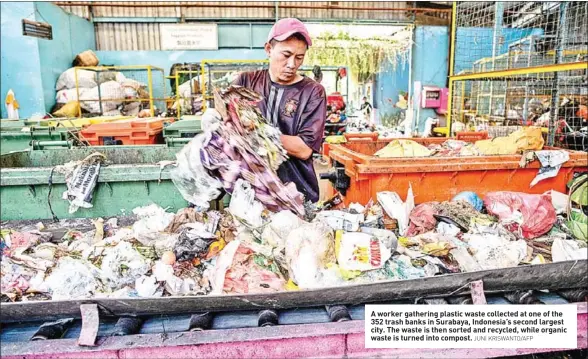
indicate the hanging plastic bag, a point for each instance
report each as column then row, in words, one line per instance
column 530, row 215
column 191, row 178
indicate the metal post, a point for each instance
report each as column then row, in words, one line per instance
column 99, row 93
column 78, row 92
column 496, row 37
column 276, row 10
column 451, row 67
column 150, row 81
column 554, row 108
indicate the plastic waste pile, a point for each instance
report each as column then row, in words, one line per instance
column 248, row 249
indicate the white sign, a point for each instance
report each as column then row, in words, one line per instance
column 189, row 36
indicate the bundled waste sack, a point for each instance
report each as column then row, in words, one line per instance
column 244, row 146
column 524, row 139
column 86, row 58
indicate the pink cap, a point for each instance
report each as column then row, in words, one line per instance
column 285, row 28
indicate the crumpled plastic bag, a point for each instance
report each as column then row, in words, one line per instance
column 191, row 178
column 339, row 220
column 153, row 220
column 422, row 218
column 243, row 204
column 403, row 148
column 524, row 139
column 73, row 279
column 396, row 208
column 494, row 252
column 470, row 197
column 239, row 269
column 193, row 242
column 362, row 251
column 309, row 248
column 122, row 265
column 567, row 250
column 530, row 215
column 551, row 162
column 279, row 227
column 148, row 287
column 17, row 277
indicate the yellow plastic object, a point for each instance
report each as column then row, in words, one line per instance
column 525, row 139
column 80, row 122
column 291, row 286
column 335, row 139
column 70, row 109
column 437, row 249
column 403, row 148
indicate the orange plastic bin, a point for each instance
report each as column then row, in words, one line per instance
column 438, row 178
column 146, row 131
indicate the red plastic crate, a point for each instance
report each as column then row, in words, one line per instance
column 129, row 132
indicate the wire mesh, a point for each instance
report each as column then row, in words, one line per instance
column 494, row 36
column 556, row 100
column 120, row 91
column 521, row 64
column 187, row 91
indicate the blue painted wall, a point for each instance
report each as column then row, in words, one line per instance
column 71, row 35
column 19, row 66
column 389, row 83
column 466, row 55
column 430, row 57
column 30, row 66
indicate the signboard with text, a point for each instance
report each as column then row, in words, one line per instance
column 189, row 36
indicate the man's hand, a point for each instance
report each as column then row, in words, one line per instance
column 296, row 147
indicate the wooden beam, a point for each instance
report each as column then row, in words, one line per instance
column 562, row 275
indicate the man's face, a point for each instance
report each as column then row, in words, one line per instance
column 285, row 57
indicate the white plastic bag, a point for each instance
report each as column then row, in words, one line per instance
column 567, row 250
column 244, row 206
column 152, row 221
column 280, row 226
column 494, row 252
column 110, row 90
column 191, row 178
column 122, row 265
column 309, row 248
column 67, row 95
column 339, row 220
column 67, row 80
column 72, row 279
column 223, row 263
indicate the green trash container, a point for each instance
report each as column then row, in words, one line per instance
column 179, row 133
column 132, row 178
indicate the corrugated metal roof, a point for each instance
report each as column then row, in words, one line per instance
column 354, row 10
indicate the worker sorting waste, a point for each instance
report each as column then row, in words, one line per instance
column 296, row 105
